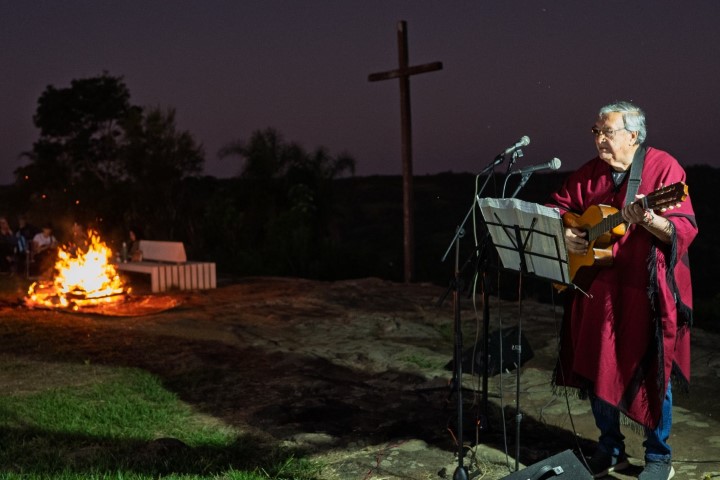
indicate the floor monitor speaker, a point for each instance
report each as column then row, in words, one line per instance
column 565, row 466
column 502, row 355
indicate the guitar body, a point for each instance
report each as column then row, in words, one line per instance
column 600, row 249
column 604, row 225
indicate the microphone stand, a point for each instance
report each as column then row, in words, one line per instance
column 518, row 347
column 522, row 183
column 461, row 473
column 459, row 232
column 516, row 154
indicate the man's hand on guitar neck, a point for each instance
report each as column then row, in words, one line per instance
column 658, row 226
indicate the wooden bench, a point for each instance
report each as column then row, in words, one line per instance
column 167, row 265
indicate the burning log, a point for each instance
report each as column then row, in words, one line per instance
column 85, row 277
column 87, row 281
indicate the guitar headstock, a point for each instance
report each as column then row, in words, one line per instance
column 666, row 198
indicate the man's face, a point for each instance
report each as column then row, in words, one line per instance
column 615, row 145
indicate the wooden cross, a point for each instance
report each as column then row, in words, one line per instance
column 403, row 73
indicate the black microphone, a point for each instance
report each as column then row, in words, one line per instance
column 523, row 142
column 553, row 164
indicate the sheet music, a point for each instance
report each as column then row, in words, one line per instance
column 545, row 251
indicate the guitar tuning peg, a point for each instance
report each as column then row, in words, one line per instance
column 663, row 210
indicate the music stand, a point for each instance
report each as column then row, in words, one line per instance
column 529, row 239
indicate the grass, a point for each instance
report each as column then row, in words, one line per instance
column 68, row 421
column 423, row 362
column 121, row 423
column 67, row 417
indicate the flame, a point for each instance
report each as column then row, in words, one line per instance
column 84, row 276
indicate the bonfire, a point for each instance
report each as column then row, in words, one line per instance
column 83, row 276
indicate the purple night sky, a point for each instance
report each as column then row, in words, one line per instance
column 510, row 68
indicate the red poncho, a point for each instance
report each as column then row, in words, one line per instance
column 623, row 341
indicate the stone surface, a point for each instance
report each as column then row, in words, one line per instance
column 354, row 374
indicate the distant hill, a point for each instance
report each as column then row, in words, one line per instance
column 372, row 224
column 365, row 237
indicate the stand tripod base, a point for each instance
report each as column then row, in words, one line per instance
column 461, row 473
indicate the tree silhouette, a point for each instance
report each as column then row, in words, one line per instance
column 74, row 165
column 81, row 130
column 157, row 160
column 103, row 160
column 287, row 200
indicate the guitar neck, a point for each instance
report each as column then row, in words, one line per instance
column 663, row 198
column 613, row 220
column 604, row 226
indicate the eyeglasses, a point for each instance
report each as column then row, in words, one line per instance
column 608, row 133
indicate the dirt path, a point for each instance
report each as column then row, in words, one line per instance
column 354, row 372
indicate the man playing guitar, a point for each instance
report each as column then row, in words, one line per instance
column 627, row 331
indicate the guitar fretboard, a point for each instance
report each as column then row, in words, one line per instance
column 604, row 226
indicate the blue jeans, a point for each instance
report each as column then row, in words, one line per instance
column 612, row 440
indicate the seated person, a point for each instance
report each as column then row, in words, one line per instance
column 44, row 248
column 79, row 241
column 26, row 229
column 134, row 252
column 8, row 247
column 24, row 234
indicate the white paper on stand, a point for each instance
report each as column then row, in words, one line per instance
column 541, row 230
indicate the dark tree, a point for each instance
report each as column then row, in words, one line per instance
column 287, row 201
column 81, row 130
column 103, row 160
column 157, row 161
column 75, row 164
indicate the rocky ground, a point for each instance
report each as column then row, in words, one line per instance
column 355, row 373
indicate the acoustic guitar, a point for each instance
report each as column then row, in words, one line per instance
column 605, row 225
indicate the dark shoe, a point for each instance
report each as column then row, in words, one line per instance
column 657, row 471
column 602, row 463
